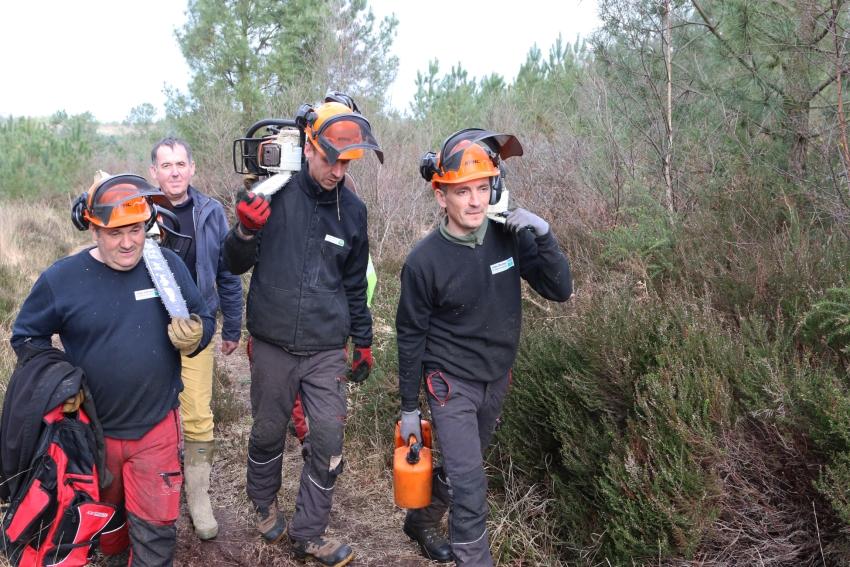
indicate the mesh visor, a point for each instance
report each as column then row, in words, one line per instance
column 346, row 136
column 503, row 145
column 122, row 200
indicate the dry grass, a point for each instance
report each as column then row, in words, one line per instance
column 32, row 236
column 520, row 526
column 770, row 514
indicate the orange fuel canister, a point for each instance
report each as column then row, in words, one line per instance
column 412, row 467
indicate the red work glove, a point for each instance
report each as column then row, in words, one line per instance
column 361, row 365
column 252, row 211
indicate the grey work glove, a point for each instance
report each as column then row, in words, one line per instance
column 519, row 219
column 410, row 425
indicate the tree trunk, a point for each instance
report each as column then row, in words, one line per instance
column 798, row 96
column 668, row 60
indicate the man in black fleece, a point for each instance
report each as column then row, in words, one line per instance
column 458, row 325
column 103, row 305
column 309, row 249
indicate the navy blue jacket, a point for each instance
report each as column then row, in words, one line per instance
column 113, row 326
column 218, row 286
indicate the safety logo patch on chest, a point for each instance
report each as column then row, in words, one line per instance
column 499, row 267
column 334, row 240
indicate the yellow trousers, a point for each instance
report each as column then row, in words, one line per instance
column 196, row 397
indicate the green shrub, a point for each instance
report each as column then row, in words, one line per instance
column 619, row 411
column 38, row 157
column 828, row 320
column 647, row 240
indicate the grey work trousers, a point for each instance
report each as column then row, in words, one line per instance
column 464, row 415
column 277, row 376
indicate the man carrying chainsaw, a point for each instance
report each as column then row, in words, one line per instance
column 309, row 248
column 458, row 326
column 202, row 219
column 106, row 309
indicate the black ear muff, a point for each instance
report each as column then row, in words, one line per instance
column 496, row 186
column 342, row 98
column 428, row 166
column 78, row 208
column 497, row 183
column 305, row 116
column 152, row 219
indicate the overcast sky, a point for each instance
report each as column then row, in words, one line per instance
column 107, row 56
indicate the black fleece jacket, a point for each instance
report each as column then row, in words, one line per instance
column 460, row 308
column 43, row 379
column 308, row 288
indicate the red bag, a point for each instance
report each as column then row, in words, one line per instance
column 56, row 517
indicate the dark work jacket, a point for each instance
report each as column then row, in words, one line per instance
column 43, row 379
column 308, row 288
column 460, row 307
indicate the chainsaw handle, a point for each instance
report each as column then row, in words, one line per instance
column 279, row 122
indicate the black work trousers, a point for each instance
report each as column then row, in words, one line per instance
column 464, row 415
column 277, row 376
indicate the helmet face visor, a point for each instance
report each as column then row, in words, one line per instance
column 472, row 153
column 346, row 136
column 120, row 201
column 501, row 145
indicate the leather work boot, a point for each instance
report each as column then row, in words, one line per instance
column 433, row 545
column 325, row 551
column 197, row 465
column 271, row 523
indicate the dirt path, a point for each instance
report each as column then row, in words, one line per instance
column 363, row 514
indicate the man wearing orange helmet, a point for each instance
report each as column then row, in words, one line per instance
column 458, row 326
column 103, row 305
column 309, row 250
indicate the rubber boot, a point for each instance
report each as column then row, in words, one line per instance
column 197, row 466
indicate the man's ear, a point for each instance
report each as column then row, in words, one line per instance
column 440, row 195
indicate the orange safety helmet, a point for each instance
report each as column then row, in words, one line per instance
column 470, row 154
column 116, row 201
column 338, row 133
column 468, row 161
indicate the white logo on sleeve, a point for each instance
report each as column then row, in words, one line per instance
column 334, row 240
column 499, row 267
column 146, row 294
